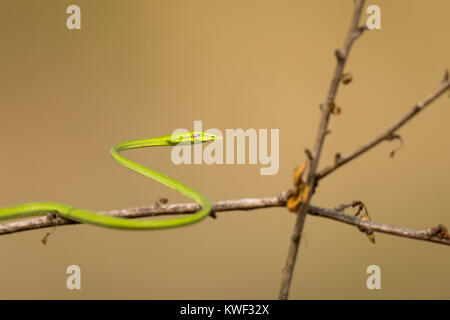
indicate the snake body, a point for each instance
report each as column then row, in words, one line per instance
column 91, row 217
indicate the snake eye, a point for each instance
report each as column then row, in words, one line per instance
column 195, row 135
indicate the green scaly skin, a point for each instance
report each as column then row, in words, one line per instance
column 91, row 217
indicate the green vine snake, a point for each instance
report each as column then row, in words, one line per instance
column 91, row 217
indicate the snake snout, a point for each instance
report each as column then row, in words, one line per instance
column 201, row 137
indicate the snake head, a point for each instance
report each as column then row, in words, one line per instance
column 193, row 137
column 200, row 137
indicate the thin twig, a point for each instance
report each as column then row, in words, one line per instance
column 388, row 133
column 158, row 209
column 52, row 220
column 436, row 234
column 341, row 57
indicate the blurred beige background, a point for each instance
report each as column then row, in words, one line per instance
column 141, row 69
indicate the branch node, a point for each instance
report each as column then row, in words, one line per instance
column 339, row 55
column 284, row 196
column 161, row 202
column 296, row 237
column 309, row 155
column 337, row 158
column 439, row 231
column 359, row 31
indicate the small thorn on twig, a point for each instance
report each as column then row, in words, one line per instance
column 359, row 31
column 53, row 217
column 212, row 214
column 160, row 202
column 446, row 76
column 395, row 137
column 338, row 54
column 346, row 78
column 337, row 157
column 309, row 155
column 363, row 28
column 47, row 235
column 316, row 184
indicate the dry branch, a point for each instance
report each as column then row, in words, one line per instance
column 50, row 220
column 157, row 209
column 388, row 133
column 341, row 57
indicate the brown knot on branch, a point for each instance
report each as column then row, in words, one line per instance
column 439, row 231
